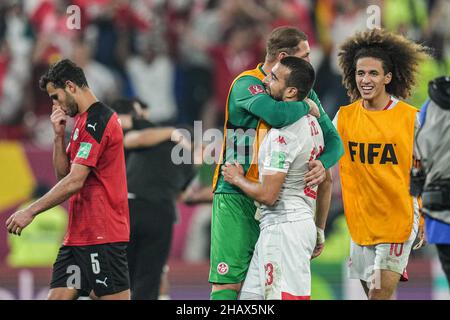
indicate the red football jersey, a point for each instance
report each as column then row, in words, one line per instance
column 99, row 211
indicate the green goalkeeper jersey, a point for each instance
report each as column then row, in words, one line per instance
column 249, row 108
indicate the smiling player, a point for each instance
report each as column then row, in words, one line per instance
column 378, row 130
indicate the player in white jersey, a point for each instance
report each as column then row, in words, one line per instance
column 280, row 266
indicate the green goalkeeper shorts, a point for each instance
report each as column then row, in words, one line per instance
column 234, row 232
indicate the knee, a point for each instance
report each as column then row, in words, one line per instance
column 380, row 294
column 93, row 296
column 52, row 296
column 62, row 294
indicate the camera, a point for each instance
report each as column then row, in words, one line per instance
column 417, row 181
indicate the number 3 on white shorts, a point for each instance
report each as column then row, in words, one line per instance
column 269, row 274
column 95, row 263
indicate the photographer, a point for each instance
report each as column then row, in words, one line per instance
column 432, row 181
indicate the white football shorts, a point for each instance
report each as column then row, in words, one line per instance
column 280, row 266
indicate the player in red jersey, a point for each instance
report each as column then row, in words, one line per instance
column 91, row 173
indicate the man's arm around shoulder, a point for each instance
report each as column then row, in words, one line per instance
column 249, row 93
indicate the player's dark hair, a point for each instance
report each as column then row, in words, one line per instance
column 398, row 55
column 62, row 71
column 124, row 106
column 284, row 39
column 302, row 75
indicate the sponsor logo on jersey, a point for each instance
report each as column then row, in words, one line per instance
column 256, row 89
column 281, row 140
column 381, row 153
column 92, row 126
column 222, row 268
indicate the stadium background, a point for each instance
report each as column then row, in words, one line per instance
column 179, row 57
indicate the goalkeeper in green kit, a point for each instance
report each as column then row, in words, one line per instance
column 250, row 113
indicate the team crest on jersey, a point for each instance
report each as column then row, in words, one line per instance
column 256, row 89
column 75, row 134
column 222, row 268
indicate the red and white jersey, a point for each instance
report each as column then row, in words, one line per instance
column 289, row 150
column 98, row 213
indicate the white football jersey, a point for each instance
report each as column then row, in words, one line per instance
column 289, row 150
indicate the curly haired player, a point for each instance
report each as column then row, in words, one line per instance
column 378, row 131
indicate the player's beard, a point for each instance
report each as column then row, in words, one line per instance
column 274, row 96
column 71, row 105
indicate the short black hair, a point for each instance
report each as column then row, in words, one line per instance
column 124, row 106
column 62, row 71
column 302, row 75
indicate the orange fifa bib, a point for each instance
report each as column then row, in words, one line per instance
column 374, row 172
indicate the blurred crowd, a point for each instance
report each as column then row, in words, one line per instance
column 179, row 57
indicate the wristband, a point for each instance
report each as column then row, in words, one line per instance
column 320, row 236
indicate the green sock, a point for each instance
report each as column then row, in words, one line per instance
column 226, row 294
